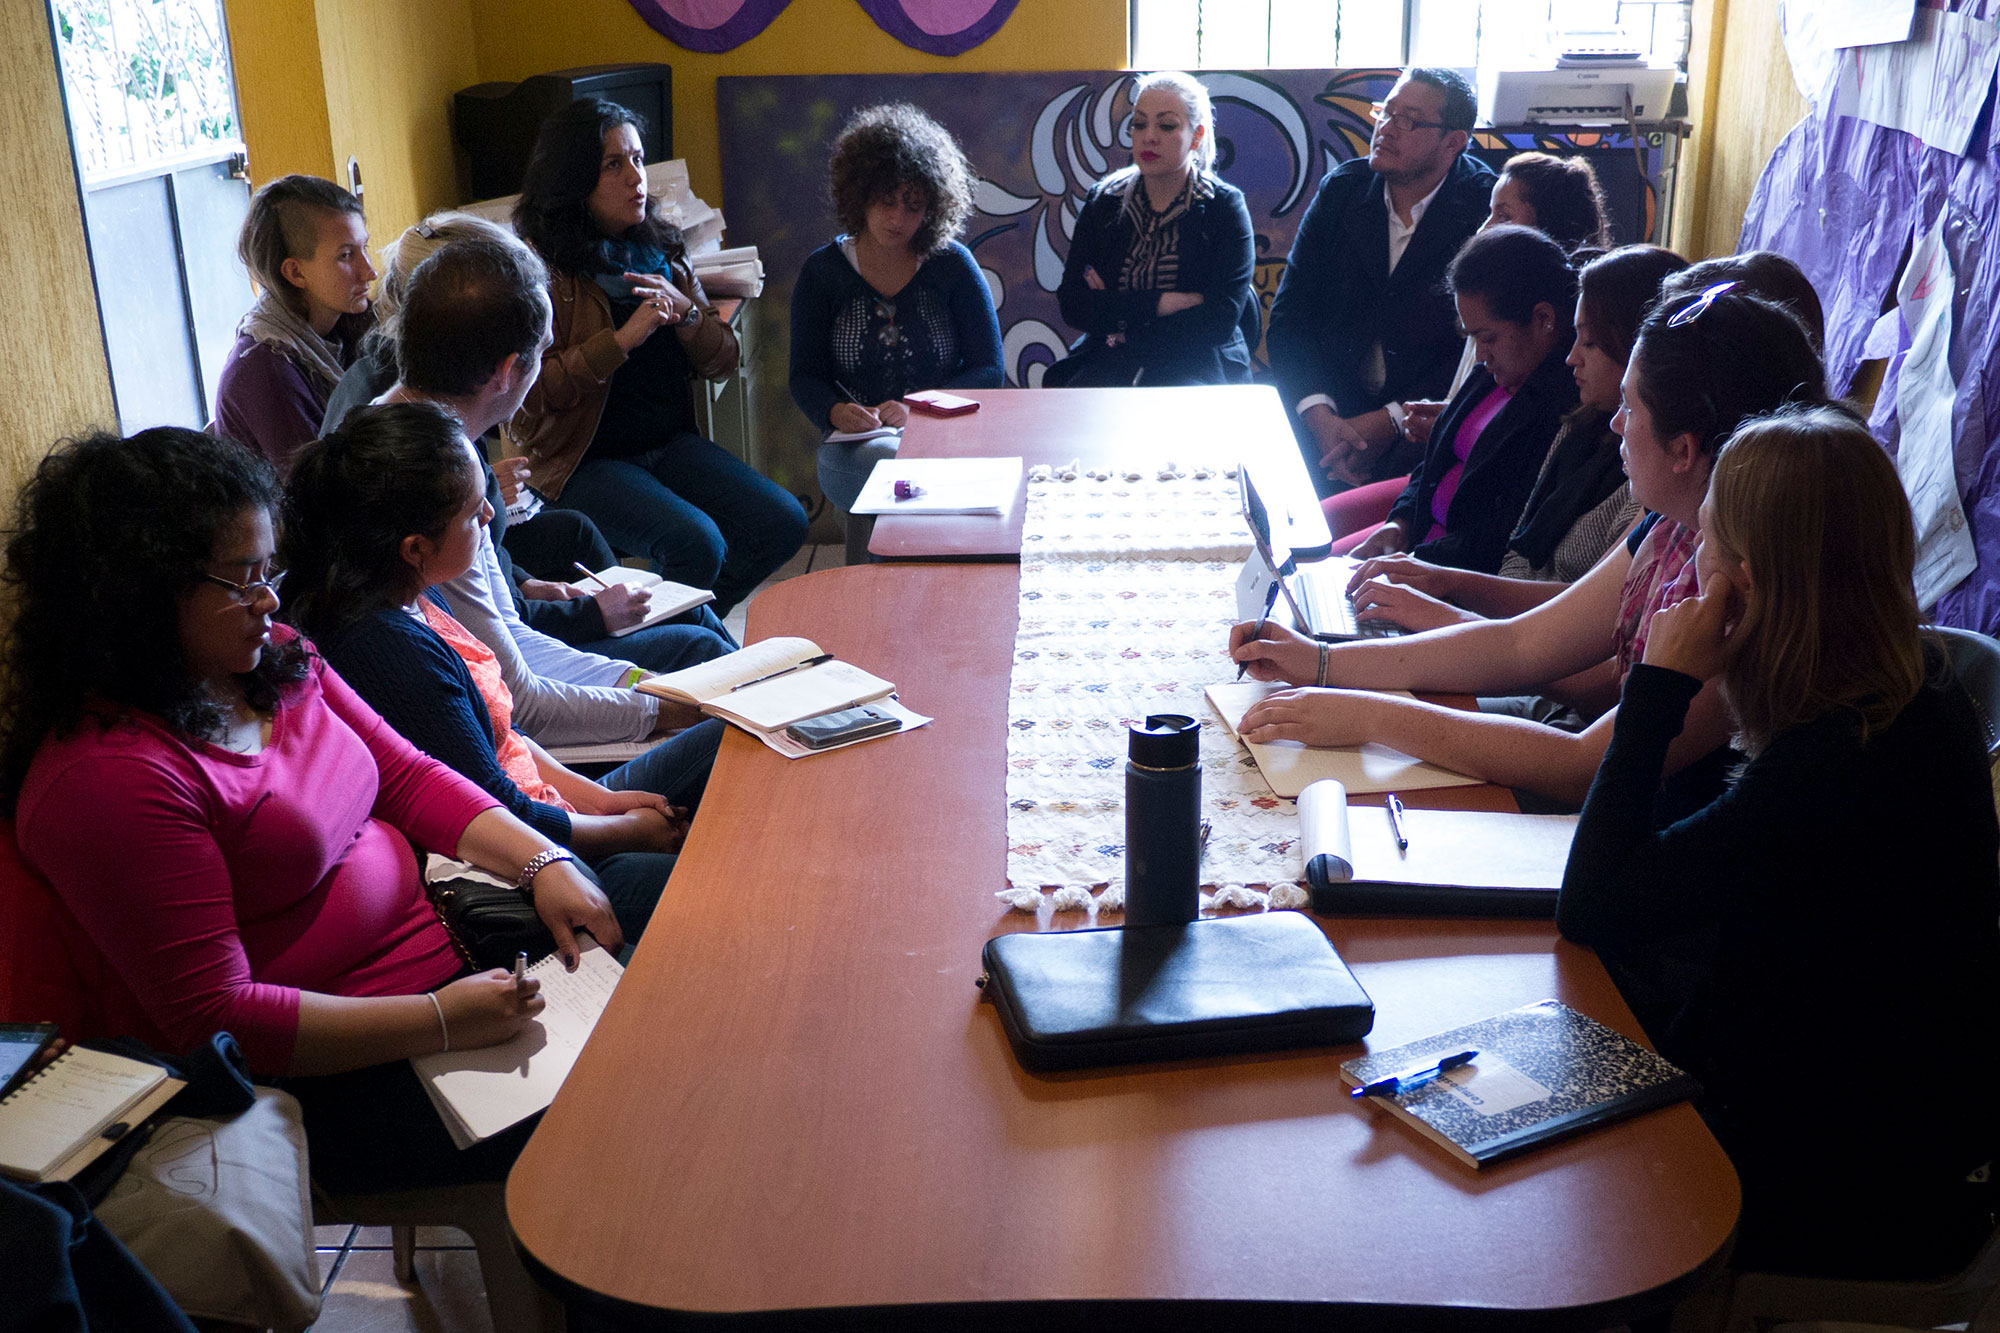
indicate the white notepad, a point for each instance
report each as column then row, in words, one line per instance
column 479, row 1093
column 1289, row 766
column 56, row 1123
column 950, row 486
column 769, row 685
column 669, row 599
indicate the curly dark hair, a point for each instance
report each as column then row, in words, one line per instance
column 552, row 214
column 389, row 472
column 1568, row 201
column 109, row 535
column 885, row 150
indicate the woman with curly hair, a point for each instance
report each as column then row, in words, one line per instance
column 226, row 827
column 608, row 427
column 1158, row 273
column 896, row 304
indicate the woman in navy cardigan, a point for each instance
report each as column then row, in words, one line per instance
column 1159, row 267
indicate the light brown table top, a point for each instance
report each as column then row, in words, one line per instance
column 796, row 1100
column 1222, row 424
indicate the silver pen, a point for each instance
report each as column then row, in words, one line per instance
column 1395, row 808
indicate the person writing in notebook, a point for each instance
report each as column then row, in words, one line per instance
column 1844, row 888
column 1699, row 368
column 227, row 827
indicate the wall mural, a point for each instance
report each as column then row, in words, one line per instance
column 940, row 27
column 1037, row 142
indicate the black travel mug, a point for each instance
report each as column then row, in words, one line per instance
column 1163, row 821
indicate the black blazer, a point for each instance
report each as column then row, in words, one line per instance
column 1338, row 297
column 1217, row 257
column 1499, row 472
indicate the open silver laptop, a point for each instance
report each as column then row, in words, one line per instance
column 1316, row 591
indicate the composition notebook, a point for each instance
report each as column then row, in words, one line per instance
column 725, row 688
column 669, row 598
column 1544, row 1072
column 56, row 1123
column 1290, row 767
column 1458, row 862
column 479, row 1093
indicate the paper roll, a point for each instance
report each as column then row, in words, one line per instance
column 1323, row 829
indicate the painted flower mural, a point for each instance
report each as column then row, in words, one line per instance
column 940, row 27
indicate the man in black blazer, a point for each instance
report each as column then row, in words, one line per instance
column 1362, row 320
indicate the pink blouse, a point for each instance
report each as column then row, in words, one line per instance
column 219, row 885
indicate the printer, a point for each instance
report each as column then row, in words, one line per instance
column 1585, row 76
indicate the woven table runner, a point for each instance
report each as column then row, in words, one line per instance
column 1127, row 596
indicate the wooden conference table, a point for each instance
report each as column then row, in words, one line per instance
column 796, row 1104
column 1217, row 424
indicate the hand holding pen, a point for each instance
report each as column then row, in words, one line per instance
column 1270, row 600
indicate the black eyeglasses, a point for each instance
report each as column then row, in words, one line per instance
column 1692, row 311
column 246, row 594
column 1402, row 120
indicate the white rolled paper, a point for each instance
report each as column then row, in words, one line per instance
column 1323, row 827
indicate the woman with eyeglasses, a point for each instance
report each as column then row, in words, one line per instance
column 1843, row 887
column 1158, row 275
column 609, row 428
column 226, row 827
column 895, row 304
column 1697, row 370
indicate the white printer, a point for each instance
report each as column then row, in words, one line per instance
column 1589, row 77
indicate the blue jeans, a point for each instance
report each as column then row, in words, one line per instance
column 844, row 468
column 677, row 768
column 699, row 514
column 687, row 640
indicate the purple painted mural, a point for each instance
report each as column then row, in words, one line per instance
column 1843, row 199
column 1037, row 142
column 709, row 25
column 941, row 27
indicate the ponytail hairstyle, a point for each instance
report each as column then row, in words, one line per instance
column 387, row 473
column 1568, row 201
column 109, row 536
column 1811, row 504
column 1195, row 103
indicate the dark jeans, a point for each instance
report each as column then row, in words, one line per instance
column 701, row 516
column 374, row 1129
column 677, row 768
column 547, row 545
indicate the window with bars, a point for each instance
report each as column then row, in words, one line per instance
column 1309, row 34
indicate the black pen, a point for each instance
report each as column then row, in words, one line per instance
column 1270, row 600
column 809, row 662
column 1413, row 1078
column 1395, row 808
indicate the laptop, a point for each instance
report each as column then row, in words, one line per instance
column 1316, row 591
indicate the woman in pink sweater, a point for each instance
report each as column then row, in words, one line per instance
column 226, row 827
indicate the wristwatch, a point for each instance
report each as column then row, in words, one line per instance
column 539, row 862
column 692, row 317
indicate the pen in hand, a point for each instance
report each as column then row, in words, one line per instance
column 1401, row 1083
column 584, row 570
column 520, row 968
column 1270, row 600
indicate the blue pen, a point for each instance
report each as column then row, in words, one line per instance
column 1270, row 600
column 1413, row 1078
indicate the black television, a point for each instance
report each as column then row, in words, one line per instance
column 496, row 123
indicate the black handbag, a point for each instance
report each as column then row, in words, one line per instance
column 1228, row 986
column 490, row 924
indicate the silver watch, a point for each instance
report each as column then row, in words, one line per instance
column 539, row 862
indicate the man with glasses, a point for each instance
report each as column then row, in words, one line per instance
column 1362, row 320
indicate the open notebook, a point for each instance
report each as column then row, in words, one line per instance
column 1289, row 767
column 669, row 598
column 56, row 1123
column 1458, row 862
column 479, row 1093
column 806, row 688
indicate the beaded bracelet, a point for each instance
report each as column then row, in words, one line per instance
column 1322, row 666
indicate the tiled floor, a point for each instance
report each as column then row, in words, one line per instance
column 355, row 1263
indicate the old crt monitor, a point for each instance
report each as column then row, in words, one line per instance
column 496, row 123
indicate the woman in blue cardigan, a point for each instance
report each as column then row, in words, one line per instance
column 896, row 304
column 1159, row 267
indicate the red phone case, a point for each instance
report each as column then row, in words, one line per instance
column 931, row 402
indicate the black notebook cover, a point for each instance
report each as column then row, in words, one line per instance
column 1585, row 1074
column 1080, row 998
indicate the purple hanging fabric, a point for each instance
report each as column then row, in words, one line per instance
column 708, row 25
column 941, row 27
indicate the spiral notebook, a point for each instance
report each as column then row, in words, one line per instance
column 57, row 1123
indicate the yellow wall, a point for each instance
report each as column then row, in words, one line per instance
column 58, row 381
column 517, row 38
column 322, row 80
column 1743, row 102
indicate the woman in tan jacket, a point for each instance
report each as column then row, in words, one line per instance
column 609, row 425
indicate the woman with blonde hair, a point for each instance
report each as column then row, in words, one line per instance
column 1844, row 886
column 1158, row 272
